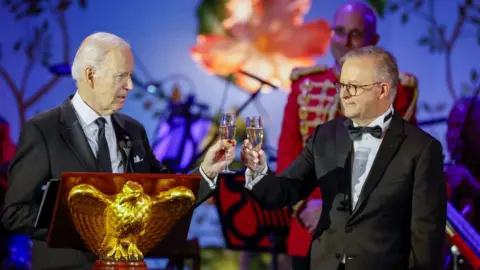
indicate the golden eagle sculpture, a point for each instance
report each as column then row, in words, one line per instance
column 125, row 226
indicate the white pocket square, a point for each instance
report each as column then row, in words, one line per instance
column 137, row 159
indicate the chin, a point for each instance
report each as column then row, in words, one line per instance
column 348, row 111
column 117, row 107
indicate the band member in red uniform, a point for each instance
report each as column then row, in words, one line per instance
column 313, row 101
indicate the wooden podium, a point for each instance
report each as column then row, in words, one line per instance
column 78, row 227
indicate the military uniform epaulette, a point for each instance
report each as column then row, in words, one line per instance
column 303, row 71
column 408, row 79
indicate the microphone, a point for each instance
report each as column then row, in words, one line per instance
column 126, row 147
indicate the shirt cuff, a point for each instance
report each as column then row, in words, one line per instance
column 211, row 183
column 252, row 178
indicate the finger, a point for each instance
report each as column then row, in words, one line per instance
column 230, row 151
column 247, row 144
column 262, row 155
column 217, row 146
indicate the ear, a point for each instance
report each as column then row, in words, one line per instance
column 384, row 90
column 375, row 39
column 89, row 76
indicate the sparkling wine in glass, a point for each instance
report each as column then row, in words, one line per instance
column 255, row 133
column 227, row 134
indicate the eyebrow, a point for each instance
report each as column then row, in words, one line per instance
column 350, row 82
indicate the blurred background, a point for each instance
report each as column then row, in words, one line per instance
column 182, row 49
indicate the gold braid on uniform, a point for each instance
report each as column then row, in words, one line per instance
column 296, row 74
column 299, row 72
column 410, row 81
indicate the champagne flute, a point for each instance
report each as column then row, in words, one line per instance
column 227, row 134
column 255, row 134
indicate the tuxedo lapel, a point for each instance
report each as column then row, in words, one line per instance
column 75, row 138
column 343, row 144
column 394, row 137
column 121, row 134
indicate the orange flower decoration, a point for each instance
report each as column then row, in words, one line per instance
column 266, row 38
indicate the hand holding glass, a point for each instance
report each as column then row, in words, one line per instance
column 255, row 134
column 227, row 134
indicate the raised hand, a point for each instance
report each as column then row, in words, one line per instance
column 254, row 160
column 217, row 157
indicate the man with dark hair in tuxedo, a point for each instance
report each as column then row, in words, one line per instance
column 384, row 192
column 84, row 134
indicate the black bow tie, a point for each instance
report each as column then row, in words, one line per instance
column 356, row 132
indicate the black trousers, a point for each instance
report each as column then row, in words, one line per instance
column 300, row 263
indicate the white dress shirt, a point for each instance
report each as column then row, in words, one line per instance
column 367, row 147
column 86, row 117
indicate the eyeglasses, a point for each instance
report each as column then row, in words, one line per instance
column 352, row 89
column 341, row 32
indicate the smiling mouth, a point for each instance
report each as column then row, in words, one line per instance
column 122, row 97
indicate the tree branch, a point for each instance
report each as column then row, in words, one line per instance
column 448, row 52
column 31, row 54
column 66, row 40
column 457, row 28
column 448, row 71
column 42, row 91
column 447, row 44
column 8, row 79
column 66, row 54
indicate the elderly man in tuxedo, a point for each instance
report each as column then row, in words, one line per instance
column 85, row 134
column 384, row 192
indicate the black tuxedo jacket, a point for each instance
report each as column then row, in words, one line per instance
column 53, row 142
column 399, row 219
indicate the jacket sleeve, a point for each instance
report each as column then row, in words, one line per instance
column 429, row 207
column 28, row 172
column 294, row 183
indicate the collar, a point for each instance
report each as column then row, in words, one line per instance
column 86, row 115
column 383, row 120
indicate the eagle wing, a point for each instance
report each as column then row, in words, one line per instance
column 87, row 205
column 166, row 210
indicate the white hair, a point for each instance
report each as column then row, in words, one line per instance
column 386, row 68
column 93, row 51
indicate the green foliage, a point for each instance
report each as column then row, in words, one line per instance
column 379, row 6
column 37, row 47
column 437, row 39
column 32, row 8
column 210, row 14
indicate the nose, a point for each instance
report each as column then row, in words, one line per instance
column 344, row 93
column 129, row 85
